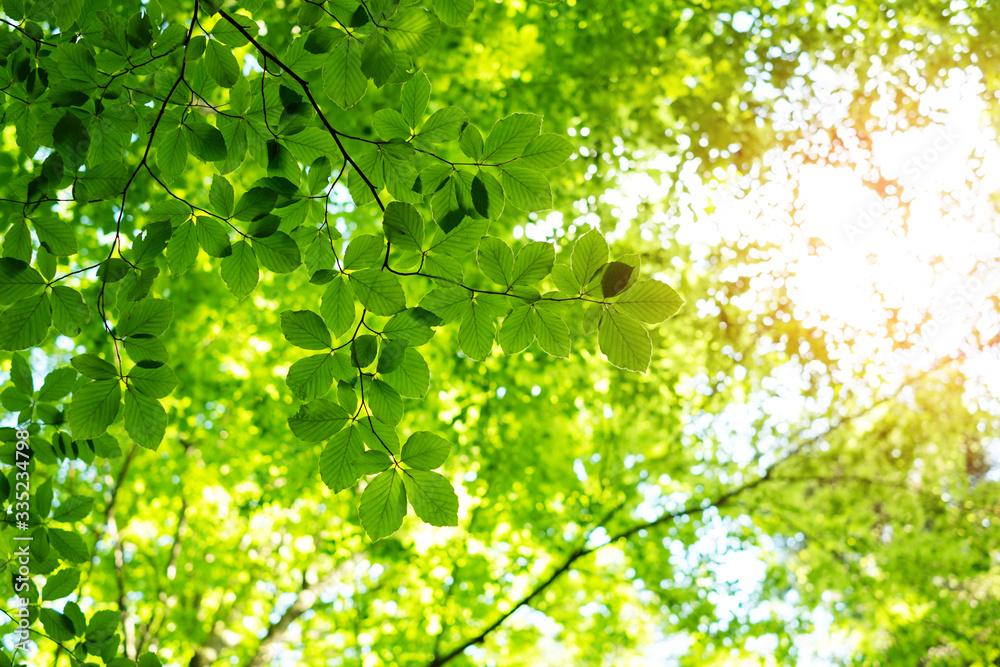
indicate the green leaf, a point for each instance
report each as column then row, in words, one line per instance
column 363, row 251
column 57, row 626
column 546, row 151
column 318, row 420
column 364, row 349
column 477, row 331
column 510, row 136
column 463, row 239
column 144, row 347
column 311, row 144
column 94, row 407
column 172, row 153
column 413, row 99
column 443, row 125
column 379, row 291
column 432, row 497
column 226, row 32
column 57, row 236
column 412, row 326
column 335, row 463
column 615, row 279
column 496, row 260
column 377, row 58
column 534, row 262
column 552, row 333
column 26, row 323
column 565, row 280
column 305, row 329
column 343, row 79
column 239, row 270
column 222, row 65
column 391, row 356
column 412, row 378
column 525, row 188
column 390, row 124
column 71, row 140
column 69, row 545
column 589, row 255
column 66, row 13
column 17, row 242
column 206, row 142
column 650, row 301
column 425, row 451
column 337, row 306
column 404, row 226
column 383, row 400
column 379, row 435
column 278, row 252
column 413, row 30
column 471, row 142
column 183, row 249
column 212, row 237
column 145, row 660
column 145, row 419
column 383, row 505
column 61, row 584
column 18, row 280
column 20, row 374
column 155, row 380
column 371, row 462
column 92, row 366
column 517, row 330
column 57, row 384
column 624, row 341
column 447, row 303
column 150, row 316
column 311, row 377
column 221, row 196
column 454, row 12
column 73, row 509
column 487, row 196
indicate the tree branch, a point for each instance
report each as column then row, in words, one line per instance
column 309, row 594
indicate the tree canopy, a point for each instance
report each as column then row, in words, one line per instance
column 367, row 332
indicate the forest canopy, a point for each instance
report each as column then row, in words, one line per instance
column 380, row 332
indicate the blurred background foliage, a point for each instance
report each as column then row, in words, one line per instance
column 761, row 495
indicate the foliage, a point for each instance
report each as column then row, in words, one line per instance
column 271, row 247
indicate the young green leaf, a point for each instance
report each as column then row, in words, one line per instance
column 476, row 334
column 305, row 329
column 517, row 330
column 425, row 451
column 510, row 136
column 650, row 301
column 26, row 323
column 94, row 407
column 335, row 463
column 311, row 377
column 404, row 226
column 337, row 305
column 318, row 420
column 221, row 63
column 624, row 341
column 239, row 270
column 379, row 291
column 432, row 497
column 145, row 419
column 496, row 260
column 383, row 505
